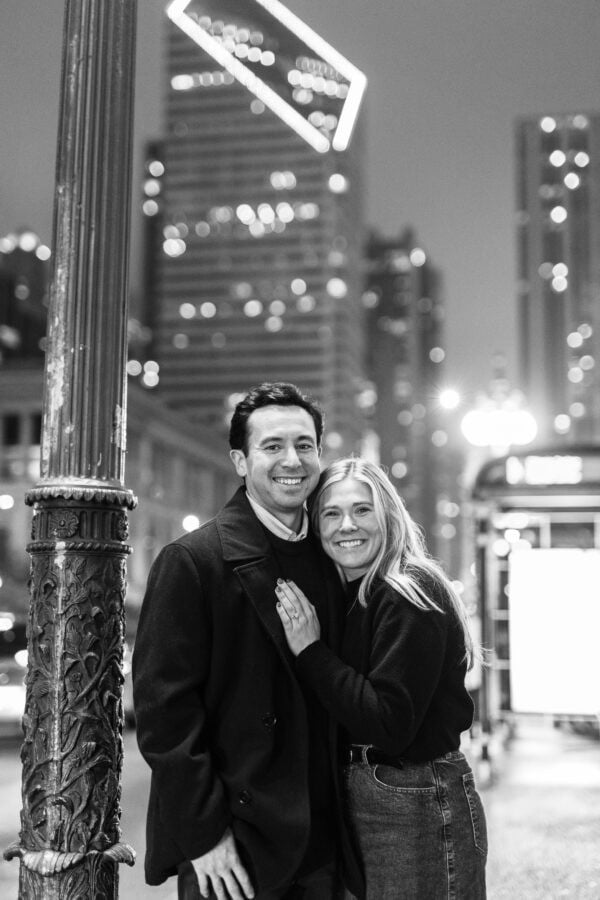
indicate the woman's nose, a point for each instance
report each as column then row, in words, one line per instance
column 348, row 523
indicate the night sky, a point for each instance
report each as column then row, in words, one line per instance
column 446, row 80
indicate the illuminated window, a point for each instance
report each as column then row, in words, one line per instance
column 337, row 288
column 208, row 310
column 298, row 286
column 558, row 158
column 187, row 310
column 338, row 184
column 273, row 324
column 399, row 470
column 253, row 308
column 418, row 257
column 277, row 308
column 306, row 304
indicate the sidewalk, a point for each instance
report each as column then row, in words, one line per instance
column 543, row 810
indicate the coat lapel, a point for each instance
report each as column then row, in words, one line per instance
column 246, row 546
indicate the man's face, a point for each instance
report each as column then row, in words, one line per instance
column 281, row 466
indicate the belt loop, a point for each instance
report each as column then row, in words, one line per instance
column 365, row 750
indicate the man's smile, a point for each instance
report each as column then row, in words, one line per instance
column 287, row 480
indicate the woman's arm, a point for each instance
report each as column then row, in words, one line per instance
column 404, row 653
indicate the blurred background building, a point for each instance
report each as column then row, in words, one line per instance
column 178, row 474
column 254, row 239
column 558, row 244
column 405, row 356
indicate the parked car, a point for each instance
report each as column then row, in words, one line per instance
column 13, row 667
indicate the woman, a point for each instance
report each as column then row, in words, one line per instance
column 397, row 691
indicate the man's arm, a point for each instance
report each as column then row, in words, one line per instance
column 170, row 667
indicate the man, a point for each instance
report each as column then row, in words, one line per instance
column 241, row 798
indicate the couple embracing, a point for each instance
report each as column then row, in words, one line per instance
column 299, row 682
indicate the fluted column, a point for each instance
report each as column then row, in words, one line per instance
column 70, row 841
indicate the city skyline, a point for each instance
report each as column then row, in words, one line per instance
column 446, row 83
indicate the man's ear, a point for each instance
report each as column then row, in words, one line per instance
column 239, row 461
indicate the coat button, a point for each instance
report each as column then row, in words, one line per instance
column 269, row 721
column 245, row 797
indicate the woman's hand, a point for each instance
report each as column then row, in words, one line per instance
column 298, row 616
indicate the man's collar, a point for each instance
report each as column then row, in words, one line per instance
column 273, row 524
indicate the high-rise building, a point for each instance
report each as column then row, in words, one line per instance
column 254, row 270
column 23, row 278
column 404, row 363
column 558, row 237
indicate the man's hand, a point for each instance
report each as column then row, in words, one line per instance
column 298, row 616
column 221, row 869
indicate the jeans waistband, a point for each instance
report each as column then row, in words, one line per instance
column 371, row 755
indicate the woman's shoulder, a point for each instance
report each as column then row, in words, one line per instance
column 429, row 586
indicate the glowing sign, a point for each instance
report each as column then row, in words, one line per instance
column 303, row 79
column 544, row 470
column 554, row 621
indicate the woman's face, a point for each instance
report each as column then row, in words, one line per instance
column 348, row 527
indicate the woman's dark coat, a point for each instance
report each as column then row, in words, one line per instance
column 220, row 716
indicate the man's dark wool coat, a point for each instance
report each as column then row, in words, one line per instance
column 220, row 716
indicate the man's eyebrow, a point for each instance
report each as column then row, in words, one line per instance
column 281, row 437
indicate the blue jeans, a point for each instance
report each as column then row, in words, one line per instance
column 420, row 829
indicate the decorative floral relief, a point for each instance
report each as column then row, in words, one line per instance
column 72, row 754
column 63, row 523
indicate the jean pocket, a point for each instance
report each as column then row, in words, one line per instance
column 478, row 823
column 412, row 779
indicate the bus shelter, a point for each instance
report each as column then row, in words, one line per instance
column 537, row 534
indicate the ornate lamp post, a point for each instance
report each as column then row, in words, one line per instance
column 69, row 843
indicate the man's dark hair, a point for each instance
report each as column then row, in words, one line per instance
column 278, row 393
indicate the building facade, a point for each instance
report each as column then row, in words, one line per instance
column 558, row 245
column 178, row 476
column 405, row 358
column 181, row 474
column 254, row 238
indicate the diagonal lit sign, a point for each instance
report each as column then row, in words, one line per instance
column 282, row 61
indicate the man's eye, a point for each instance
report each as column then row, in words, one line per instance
column 305, row 448
column 272, row 448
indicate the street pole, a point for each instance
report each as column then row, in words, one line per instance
column 69, row 843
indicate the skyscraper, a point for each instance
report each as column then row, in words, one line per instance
column 256, row 238
column 558, row 236
column 405, row 355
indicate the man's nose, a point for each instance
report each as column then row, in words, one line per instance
column 291, row 457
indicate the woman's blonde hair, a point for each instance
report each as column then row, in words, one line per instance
column 402, row 556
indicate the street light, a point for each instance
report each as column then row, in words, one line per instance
column 499, row 421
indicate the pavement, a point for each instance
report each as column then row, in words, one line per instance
column 541, row 794
column 542, row 802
